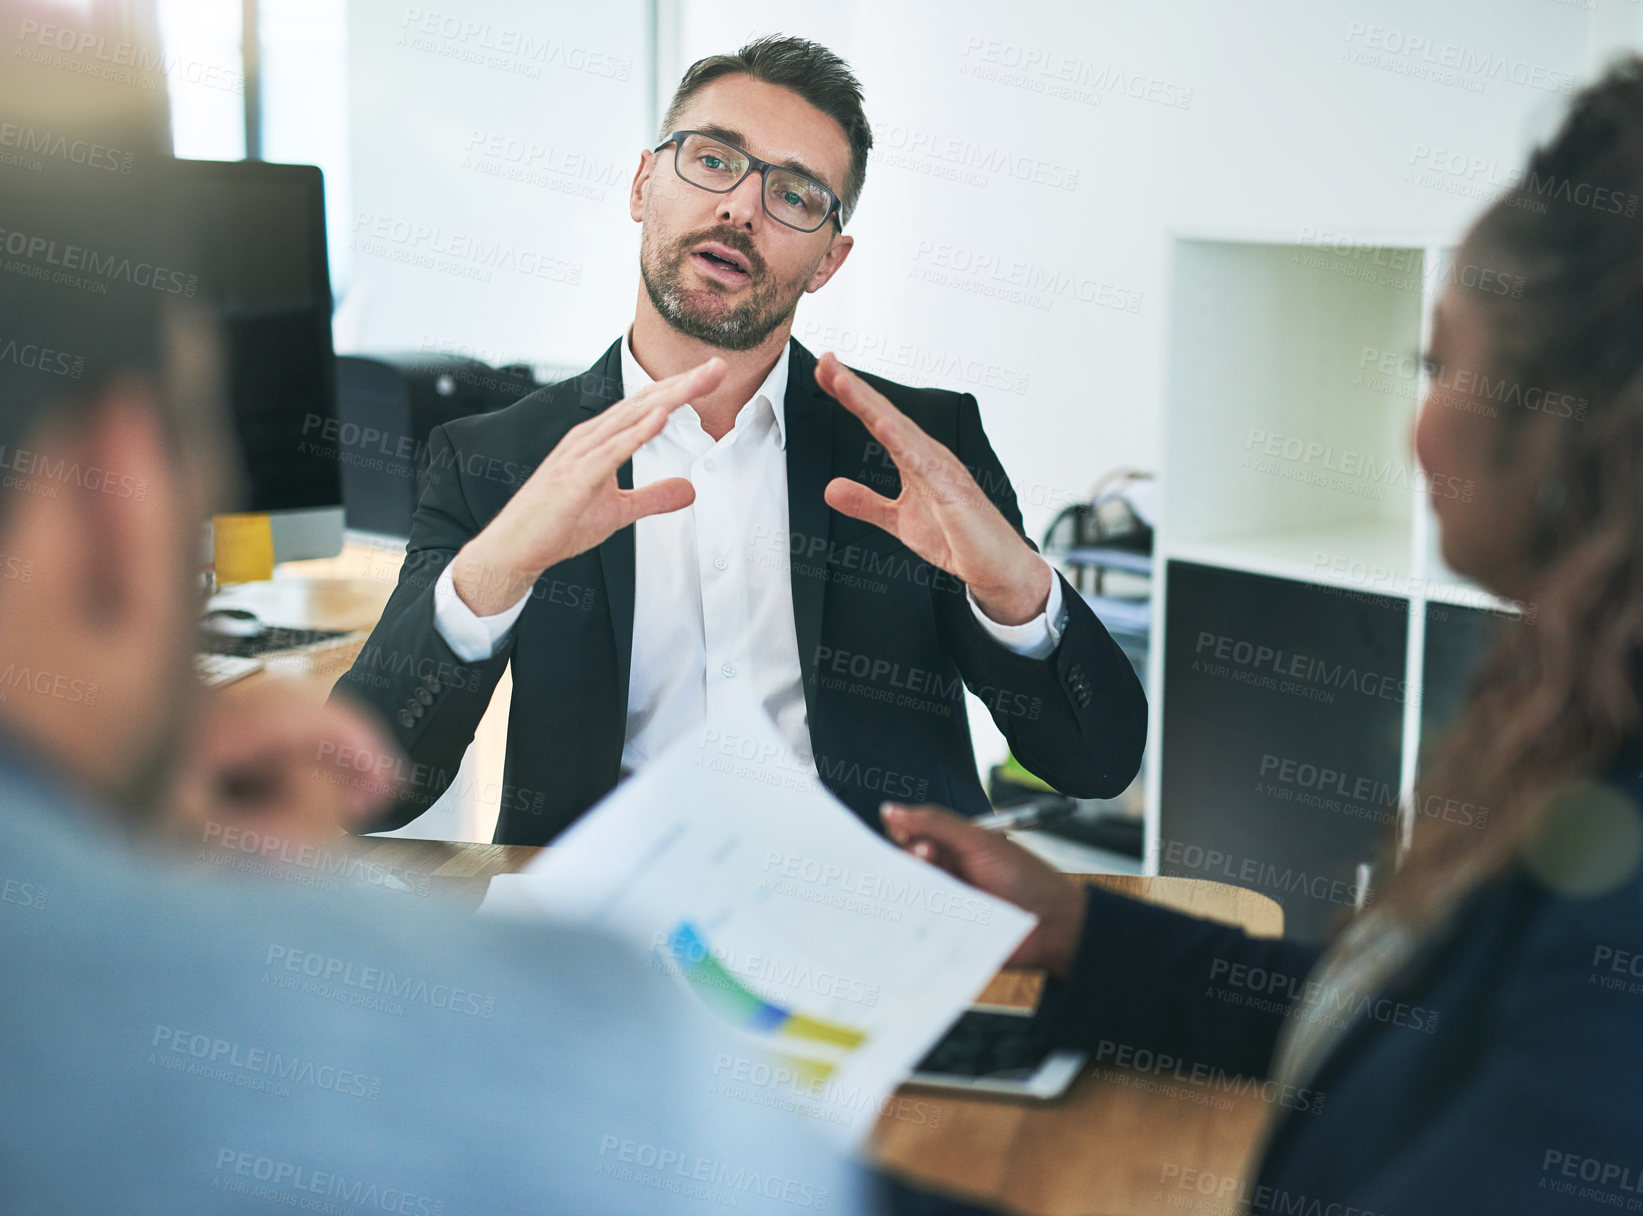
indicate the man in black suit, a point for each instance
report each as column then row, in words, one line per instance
column 844, row 550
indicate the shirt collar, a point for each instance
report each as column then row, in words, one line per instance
column 773, row 390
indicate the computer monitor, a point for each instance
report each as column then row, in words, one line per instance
column 257, row 248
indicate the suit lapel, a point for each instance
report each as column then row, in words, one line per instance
column 809, row 416
column 602, row 388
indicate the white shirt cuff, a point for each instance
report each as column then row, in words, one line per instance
column 473, row 638
column 1035, row 639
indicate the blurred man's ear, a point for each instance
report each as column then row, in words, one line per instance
column 130, row 509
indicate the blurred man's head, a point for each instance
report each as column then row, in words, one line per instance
column 727, row 263
column 108, row 443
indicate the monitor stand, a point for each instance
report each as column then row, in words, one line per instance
column 303, row 534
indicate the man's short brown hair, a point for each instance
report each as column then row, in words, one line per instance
column 808, row 69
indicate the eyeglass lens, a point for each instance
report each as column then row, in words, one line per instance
column 792, row 198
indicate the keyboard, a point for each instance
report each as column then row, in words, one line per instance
column 1002, row 1052
column 269, row 641
column 217, row 669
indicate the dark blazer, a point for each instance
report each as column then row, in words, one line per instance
column 1501, row 1071
column 887, row 641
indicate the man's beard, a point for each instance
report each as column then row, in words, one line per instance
column 702, row 312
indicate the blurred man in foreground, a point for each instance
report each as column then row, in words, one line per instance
column 171, row 1043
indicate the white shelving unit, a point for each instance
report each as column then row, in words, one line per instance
column 1292, row 387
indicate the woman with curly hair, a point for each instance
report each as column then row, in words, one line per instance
column 1471, row 1042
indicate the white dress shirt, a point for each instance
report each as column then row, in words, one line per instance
column 713, row 596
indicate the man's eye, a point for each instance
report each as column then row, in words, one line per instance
column 712, row 162
column 792, row 199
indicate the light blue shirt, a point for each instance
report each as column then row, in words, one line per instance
column 172, row 1042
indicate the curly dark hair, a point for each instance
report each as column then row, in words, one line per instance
column 1556, row 698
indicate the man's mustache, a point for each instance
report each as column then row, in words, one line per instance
column 730, row 238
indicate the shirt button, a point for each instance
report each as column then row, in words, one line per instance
column 728, row 670
column 721, row 562
column 708, row 464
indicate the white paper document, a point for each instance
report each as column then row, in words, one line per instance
column 836, row 959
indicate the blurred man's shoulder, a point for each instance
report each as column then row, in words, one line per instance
column 216, row 1027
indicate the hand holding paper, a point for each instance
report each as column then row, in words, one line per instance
column 992, row 863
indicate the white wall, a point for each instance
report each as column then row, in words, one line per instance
column 492, row 145
column 1280, row 132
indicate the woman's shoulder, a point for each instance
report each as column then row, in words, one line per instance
column 1574, row 900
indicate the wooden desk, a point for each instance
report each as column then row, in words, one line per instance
column 1102, row 1150
column 1099, row 1152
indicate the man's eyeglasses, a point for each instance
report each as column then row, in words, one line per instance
column 714, row 164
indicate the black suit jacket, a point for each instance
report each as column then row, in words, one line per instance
column 887, row 642
column 1501, row 1071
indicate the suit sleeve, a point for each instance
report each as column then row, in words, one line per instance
column 427, row 697
column 1148, row 979
column 1078, row 718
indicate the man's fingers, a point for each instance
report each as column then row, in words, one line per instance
column 348, row 742
column 618, row 448
column 852, row 392
column 866, row 403
column 857, row 501
column 278, row 734
column 659, row 497
column 272, row 719
column 673, row 391
column 667, row 394
column 915, row 453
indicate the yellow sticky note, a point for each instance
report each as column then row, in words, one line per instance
column 242, row 548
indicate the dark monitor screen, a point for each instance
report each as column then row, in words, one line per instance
column 256, row 235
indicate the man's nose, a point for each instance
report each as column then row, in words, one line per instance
column 745, row 204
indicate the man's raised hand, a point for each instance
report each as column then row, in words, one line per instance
column 572, row 502
column 940, row 514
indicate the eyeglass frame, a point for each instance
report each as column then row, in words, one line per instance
column 763, row 168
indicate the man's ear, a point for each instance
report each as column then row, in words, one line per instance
column 831, row 261
column 640, row 189
column 128, row 507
